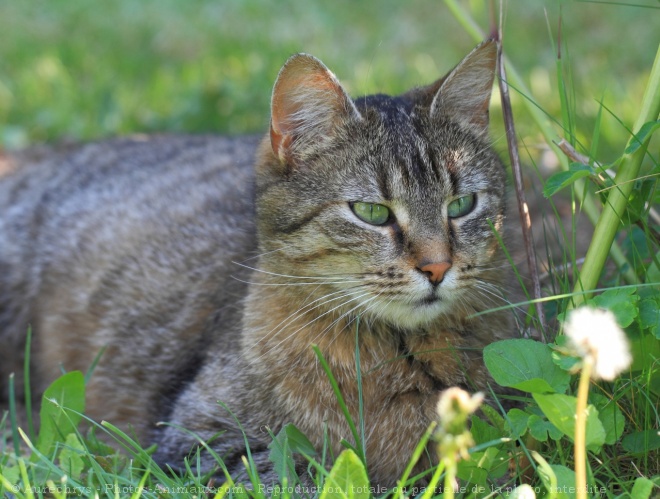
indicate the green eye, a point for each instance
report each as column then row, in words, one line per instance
column 375, row 214
column 461, row 206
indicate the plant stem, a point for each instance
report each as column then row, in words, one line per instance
column 421, row 446
column 613, row 211
column 450, row 479
column 588, row 205
column 523, row 210
column 430, row 489
column 12, row 416
column 580, row 451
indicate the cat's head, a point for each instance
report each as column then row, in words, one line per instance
column 387, row 205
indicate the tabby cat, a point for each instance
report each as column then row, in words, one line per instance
column 206, row 267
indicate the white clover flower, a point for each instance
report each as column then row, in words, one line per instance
column 595, row 332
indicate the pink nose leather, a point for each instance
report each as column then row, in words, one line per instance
column 436, row 271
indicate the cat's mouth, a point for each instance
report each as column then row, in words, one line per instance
column 429, row 300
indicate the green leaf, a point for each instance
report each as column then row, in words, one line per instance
column 498, row 465
column 470, row 472
column 289, row 440
column 653, row 272
column 297, row 440
column 347, row 478
column 565, row 362
column 482, row 432
column 645, row 350
column 541, row 429
column 70, row 461
column 494, row 417
column 622, row 302
column 558, row 480
column 637, row 204
column 645, row 132
column 560, row 410
column 517, row 423
column 526, row 365
column 565, row 481
column 559, row 357
column 62, row 404
column 547, row 474
column 641, row 442
column 563, row 179
column 649, row 315
column 610, row 416
column 11, row 473
column 475, row 471
column 496, row 461
column 642, row 488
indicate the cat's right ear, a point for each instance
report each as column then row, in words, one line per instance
column 464, row 94
column 308, row 107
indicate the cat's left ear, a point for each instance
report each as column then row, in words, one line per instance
column 464, row 94
column 308, row 108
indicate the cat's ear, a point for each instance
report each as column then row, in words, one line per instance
column 464, row 94
column 308, row 107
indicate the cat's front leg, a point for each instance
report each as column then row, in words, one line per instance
column 449, row 359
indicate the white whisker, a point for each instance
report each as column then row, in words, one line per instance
column 295, row 283
column 308, row 324
column 333, row 278
column 267, row 253
column 305, row 309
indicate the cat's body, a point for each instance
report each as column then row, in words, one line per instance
column 206, row 279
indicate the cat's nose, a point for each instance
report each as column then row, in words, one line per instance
column 435, row 271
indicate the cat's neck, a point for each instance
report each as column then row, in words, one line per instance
column 281, row 324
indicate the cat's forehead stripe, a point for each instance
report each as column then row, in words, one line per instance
column 394, row 111
column 414, row 161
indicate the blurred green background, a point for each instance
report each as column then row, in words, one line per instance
column 83, row 69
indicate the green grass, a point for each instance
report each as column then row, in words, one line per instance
column 80, row 70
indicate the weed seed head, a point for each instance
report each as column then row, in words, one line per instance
column 454, row 408
column 595, row 333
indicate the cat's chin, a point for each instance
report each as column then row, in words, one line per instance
column 411, row 315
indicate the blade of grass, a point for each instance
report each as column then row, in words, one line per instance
column 26, row 384
column 435, row 479
column 568, row 114
column 359, row 387
column 139, row 490
column 6, row 485
column 12, row 416
column 417, row 453
column 617, row 199
column 341, row 402
column 26, row 481
column 566, row 109
column 92, row 367
column 559, row 297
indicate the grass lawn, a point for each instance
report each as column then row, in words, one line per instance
column 78, row 70
column 81, row 70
